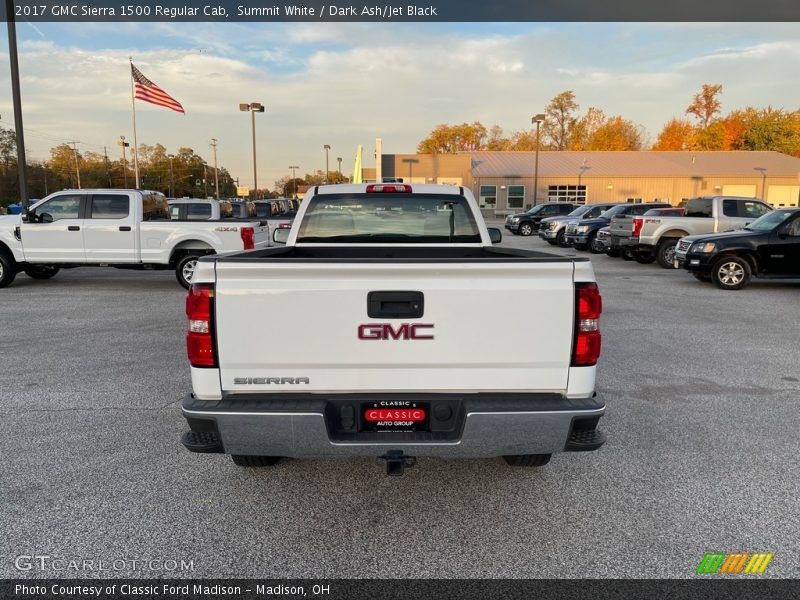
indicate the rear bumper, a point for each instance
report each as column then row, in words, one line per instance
column 480, row 425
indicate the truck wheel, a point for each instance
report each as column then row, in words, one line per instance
column 626, row 254
column 646, row 258
column 525, row 229
column 243, row 460
column 665, row 253
column 8, row 270
column 41, row 272
column 184, row 270
column 528, row 460
column 593, row 247
column 560, row 241
column 731, row 273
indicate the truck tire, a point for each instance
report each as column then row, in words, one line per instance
column 8, row 270
column 525, row 229
column 243, row 460
column 593, row 243
column 626, row 254
column 184, row 270
column 41, row 271
column 665, row 253
column 560, row 241
column 644, row 258
column 528, row 460
column 731, row 273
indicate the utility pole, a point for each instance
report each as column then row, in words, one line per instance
column 17, row 102
column 108, row 168
column 171, row 177
column 327, row 148
column 216, row 175
column 77, row 166
column 205, row 182
column 340, row 165
column 294, row 181
column 124, row 145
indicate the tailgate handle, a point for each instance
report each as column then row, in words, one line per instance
column 395, row 305
column 124, row 228
column 73, row 228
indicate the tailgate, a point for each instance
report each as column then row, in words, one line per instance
column 494, row 326
column 621, row 226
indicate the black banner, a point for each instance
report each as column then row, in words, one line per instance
column 403, row 10
column 737, row 588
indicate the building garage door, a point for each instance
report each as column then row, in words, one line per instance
column 783, row 195
column 746, row 191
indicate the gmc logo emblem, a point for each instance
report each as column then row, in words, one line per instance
column 386, row 331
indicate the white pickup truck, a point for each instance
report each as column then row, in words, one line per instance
column 658, row 235
column 128, row 229
column 387, row 293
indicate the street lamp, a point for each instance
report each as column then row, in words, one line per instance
column 340, row 166
column 253, row 107
column 538, row 119
column 327, row 148
column 583, row 168
column 294, row 181
column 124, row 145
column 763, row 172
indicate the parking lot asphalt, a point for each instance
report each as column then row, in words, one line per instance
column 702, row 453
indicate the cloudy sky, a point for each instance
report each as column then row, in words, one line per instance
column 345, row 84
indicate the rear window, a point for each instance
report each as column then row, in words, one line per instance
column 388, row 218
column 198, row 211
column 225, row 210
column 154, row 207
column 699, row 207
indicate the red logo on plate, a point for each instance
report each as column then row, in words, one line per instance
column 395, row 414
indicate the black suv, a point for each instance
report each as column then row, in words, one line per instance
column 528, row 222
column 768, row 247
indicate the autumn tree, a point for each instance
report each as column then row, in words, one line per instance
column 559, row 120
column 706, row 104
column 585, row 128
column 677, row 134
column 450, row 139
column 617, row 133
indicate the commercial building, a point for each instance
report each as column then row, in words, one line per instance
column 504, row 182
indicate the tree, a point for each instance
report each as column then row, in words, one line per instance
column 559, row 120
column 617, row 133
column 495, row 139
column 677, row 134
column 774, row 129
column 450, row 139
column 705, row 104
column 584, row 128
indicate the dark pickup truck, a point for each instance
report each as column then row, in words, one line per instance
column 528, row 222
column 769, row 247
column 582, row 235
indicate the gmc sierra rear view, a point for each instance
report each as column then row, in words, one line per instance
column 390, row 349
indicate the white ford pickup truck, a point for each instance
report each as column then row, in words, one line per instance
column 389, row 294
column 128, row 229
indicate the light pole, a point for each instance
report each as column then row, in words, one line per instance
column 763, row 172
column 213, row 144
column 253, row 107
column 124, row 145
column 171, row 157
column 327, row 149
column 340, row 166
column 294, row 181
column 538, row 119
column 16, row 99
column 584, row 167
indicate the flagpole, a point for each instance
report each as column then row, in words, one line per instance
column 135, row 142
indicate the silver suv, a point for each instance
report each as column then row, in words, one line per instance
column 552, row 229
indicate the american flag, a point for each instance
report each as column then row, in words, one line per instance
column 149, row 92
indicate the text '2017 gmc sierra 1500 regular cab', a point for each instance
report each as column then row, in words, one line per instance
column 389, row 349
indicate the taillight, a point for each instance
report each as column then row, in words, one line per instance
column 199, row 339
column 247, row 237
column 284, row 225
column 588, row 306
column 376, row 188
column 637, row 226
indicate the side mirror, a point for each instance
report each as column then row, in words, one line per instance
column 29, row 216
column 45, row 218
column 280, row 235
column 495, row 235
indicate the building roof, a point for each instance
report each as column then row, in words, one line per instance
column 642, row 163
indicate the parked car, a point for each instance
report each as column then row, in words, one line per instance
column 528, row 222
column 769, row 247
column 127, row 229
column 553, row 229
column 602, row 242
column 396, row 329
column 199, row 209
column 273, row 212
column 581, row 235
column 621, row 227
column 659, row 235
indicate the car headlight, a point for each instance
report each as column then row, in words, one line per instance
column 582, row 229
column 514, row 219
column 553, row 226
column 704, row 247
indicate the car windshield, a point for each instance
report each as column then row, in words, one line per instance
column 395, row 218
column 536, row 209
column 613, row 211
column 769, row 221
column 581, row 210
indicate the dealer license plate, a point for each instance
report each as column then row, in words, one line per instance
column 394, row 416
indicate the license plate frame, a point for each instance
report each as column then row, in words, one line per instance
column 395, row 409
